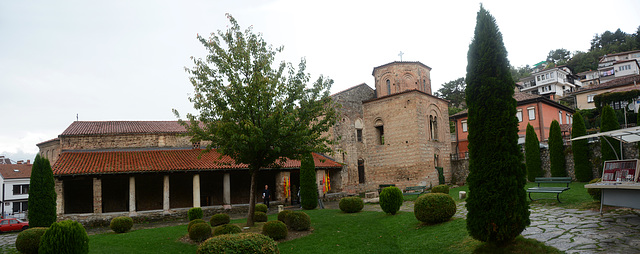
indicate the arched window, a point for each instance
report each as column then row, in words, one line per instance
column 388, row 87
column 433, row 126
column 358, row 125
column 380, row 131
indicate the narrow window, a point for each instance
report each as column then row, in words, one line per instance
column 359, row 135
column 388, row 87
column 568, row 119
column 532, row 113
column 560, row 117
column 436, row 162
column 464, row 125
column 435, row 128
column 360, row 171
column 380, row 130
column 424, row 85
column 519, row 115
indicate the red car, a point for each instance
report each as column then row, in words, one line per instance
column 13, row 224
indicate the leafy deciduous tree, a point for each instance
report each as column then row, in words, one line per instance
column 497, row 205
column 252, row 112
column 580, row 148
column 42, row 194
column 532, row 154
column 453, row 91
column 556, row 151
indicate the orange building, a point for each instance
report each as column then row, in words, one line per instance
column 531, row 109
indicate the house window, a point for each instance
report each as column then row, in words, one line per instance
column 538, row 77
column 551, row 75
column 590, row 97
column 388, row 86
column 424, row 85
column 532, row 113
column 569, row 119
column 560, row 117
column 359, row 135
column 20, row 207
column 519, row 115
column 464, row 125
column 20, row 189
column 360, row 171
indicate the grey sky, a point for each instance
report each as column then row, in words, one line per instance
column 124, row 60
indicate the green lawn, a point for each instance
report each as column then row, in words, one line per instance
column 155, row 240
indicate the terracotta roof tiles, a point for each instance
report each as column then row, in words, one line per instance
column 15, row 171
column 122, row 127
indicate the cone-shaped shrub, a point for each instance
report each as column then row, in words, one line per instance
column 351, row 204
column 42, row 194
column 556, row 151
column 260, row 217
column 580, row 150
column 219, row 219
column 121, row 224
column 64, row 237
column 199, row 232
column 308, row 185
column 434, row 208
column 239, row 243
column 299, row 221
column 28, row 241
column 443, row 188
column 275, row 229
column 609, row 122
column 194, row 213
column 532, row 154
column 498, row 209
column 391, row 199
column 226, row 229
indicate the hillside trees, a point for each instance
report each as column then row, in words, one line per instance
column 498, row 209
column 42, row 194
column 453, row 91
column 253, row 110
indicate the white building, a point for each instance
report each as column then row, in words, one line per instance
column 14, row 194
column 618, row 65
column 551, row 83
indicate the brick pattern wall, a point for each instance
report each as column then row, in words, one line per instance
column 124, row 141
column 402, row 76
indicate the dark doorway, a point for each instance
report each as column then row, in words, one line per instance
column 361, row 171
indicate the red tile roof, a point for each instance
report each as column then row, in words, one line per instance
column 15, row 171
column 114, row 162
column 622, row 81
column 122, row 127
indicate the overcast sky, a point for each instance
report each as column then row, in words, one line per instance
column 124, row 60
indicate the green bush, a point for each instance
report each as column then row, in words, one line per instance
column 226, row 229
column 351, row 204
column 239, row 243
column 595, row 193
column 219, row 219
column 64, row 237
column 261, row 208
column 275, row 229
column 308, row 185
column 434, row 207
column 42, row 194
column 581, row 151
column 440, row 175
column 282, row 216
column 260, row 217
column 199, row 232
column 532, row 154
column 193, row 222
column 556, row 151
column 443, row 188
column 299, row 221
column 121, row 224
column 391, row 199
column 28, row 241
column 194, row 213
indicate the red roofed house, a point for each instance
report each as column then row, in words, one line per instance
column 110, row 168
column 14, row 179
column 531, row 109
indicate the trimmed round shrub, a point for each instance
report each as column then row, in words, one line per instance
column 28, row 241
column 261, row 208
column 351, row 204
column 595, row 193
column 434, row 208
column 282, row 216
column 226, row 229
column 443, row 188
column 260, row 217
column 219, row 219
column 121, row 224
column 64, row 237
column 194, row 213
column 275, row 229
column 199, row 232
column 391, row 199
column 239, row 243
column 299, row 221
column 193, row 222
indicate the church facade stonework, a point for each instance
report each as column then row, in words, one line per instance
column 395, row 134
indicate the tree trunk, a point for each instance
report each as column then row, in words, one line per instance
column 252, row 197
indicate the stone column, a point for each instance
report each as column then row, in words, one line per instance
column 279, row 188
column 97, row 195
column 59, row 186
column 132, row 195
column 226, row 191
column 165, row 201
column 196, row 190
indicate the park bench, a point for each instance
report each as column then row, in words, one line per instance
column 382, row 186
column 550, row 180
column 414, row 190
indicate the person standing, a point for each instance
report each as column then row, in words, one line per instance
column 266, row 195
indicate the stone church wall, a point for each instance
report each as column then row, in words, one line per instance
column 124, row 141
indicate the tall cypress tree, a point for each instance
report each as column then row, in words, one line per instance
column 580, row 150
column 532, row 154
column 308, row 185
column 42, row 194
column 609, row 122
column 556, row 151
column 498, row 209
